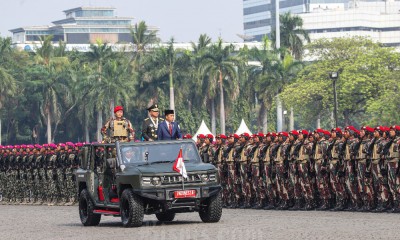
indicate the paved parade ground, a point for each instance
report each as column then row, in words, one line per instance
column 43, row 222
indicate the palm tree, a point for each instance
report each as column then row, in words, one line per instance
column 259, row 74
column 171, row 62
column 100, row 53
column 220, row 67
column 54, row 88
column 142, row 37
column 292, row 34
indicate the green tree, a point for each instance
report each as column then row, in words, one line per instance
column 364, row 69
column 221, row 68
column 292, row 34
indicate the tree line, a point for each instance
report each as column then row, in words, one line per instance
column 54, row 95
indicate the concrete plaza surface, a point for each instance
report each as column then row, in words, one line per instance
column 44, row 222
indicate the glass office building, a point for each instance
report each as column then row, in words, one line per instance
column 82, row 25
column 376, row 19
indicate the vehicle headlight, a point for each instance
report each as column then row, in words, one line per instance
column 212, row 177
column 156, row 181
column 146, row 180
column 204, row 177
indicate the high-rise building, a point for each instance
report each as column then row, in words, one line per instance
column 82, row 25
column 376, row 19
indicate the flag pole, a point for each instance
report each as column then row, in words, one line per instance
column 183, row 181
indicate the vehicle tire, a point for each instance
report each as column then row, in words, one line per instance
column 132, row 211
column 212, row 212
column 86, row 208
column 165, row 216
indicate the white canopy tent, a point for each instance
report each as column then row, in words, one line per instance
column 243, row 128
column 203, row 129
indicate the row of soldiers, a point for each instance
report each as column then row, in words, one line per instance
column 39, row 174
column 354, row 170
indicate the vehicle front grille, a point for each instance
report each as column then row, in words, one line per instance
column 176, row 179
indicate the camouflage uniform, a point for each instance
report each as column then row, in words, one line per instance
column 269, row 189
column 364, row 178
column 350, row 178
column 118, row 129
column 335, row 164
column 281, row 175
column 322, row 177
column 232, row 177
column 222, row 168
column 51, row 172
column 379, row 180
column 294, row 179
column 392, row 162
column 240, row 188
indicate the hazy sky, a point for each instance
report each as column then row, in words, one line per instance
column 184, row 20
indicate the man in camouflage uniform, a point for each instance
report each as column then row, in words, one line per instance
column 220, row 164
column 380, row 182
column 321, row 169
column 118, row 128
column 293, row 173
column 268, row 193
column 206, row 151
column 70, row 162
column 280, row 159
column 254, row 169
column 150, row 124
column 242, row 187
column 229, row 153
column 200, row 141
column 335, row 162
column 364, row 180
column 351, row 135
column 61, row 177
column 41, row 181
column 391, row 151
column 51, row 159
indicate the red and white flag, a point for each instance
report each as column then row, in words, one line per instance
column 179, row 165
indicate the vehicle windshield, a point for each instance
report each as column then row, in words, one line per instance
column 158, row 153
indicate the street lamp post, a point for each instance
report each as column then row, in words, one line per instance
column 334, row 76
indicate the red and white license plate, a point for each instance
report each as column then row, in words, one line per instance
column 185, row 194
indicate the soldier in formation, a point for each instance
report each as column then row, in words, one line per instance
column 336, row 170
column 39, row 174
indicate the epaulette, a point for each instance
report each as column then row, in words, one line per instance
column 162, row 119
column 146, row 119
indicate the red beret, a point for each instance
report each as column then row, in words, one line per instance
column 17, row 146
column 187, row 136
column 30, row 146
column 395, row 127
column 23, row 146
column 201, row 136
column 368, row 129
column 117, row 108
column 210, row 136
column 260, row 134
column 283, row 134
column 245, row 135
column 327, row 133
column 222, row 136
column 234, row 136
column 294, row 132
column 45, row 145
column 319, row 130
column 38, row 146
column 304, row 132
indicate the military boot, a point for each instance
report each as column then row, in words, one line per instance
column 381, row 207
column 395, row 208
column 309, row 205
column 324, row 206
column 296, row 206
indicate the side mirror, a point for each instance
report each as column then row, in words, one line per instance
column 111, row 163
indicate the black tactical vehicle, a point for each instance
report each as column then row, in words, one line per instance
column 133, row 179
